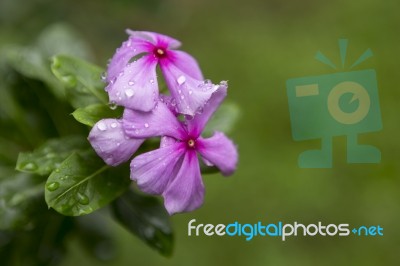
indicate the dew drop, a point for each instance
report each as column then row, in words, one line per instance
column 129, row 93
column 152, row 81
column 120, row 73
column 181, row 80
column 57, row 170
column 129, row 43
column 146, row 125
column 112, row 105
column 103, row 77
column 114, row 125
column 190, row 92
column 30, row 167
column 131, row 83
column 182, row 97
column 82, row 199
column 101, row 125
column 53, row 186
column 179, row 91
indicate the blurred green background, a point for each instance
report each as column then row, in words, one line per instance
column 257, row 45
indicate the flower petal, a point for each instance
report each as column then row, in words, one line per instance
column 186, row 191
column 186, row 63
column 220, row 151
column 199, row 121
column 136, row 87
column 155, row 38
column 108, row 139
column 190, row 94
column 159, row 122
column 154, row 170
column 129, row 49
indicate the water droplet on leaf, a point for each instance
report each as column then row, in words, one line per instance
column 82, row 199
column 53, row 186
column 30, row 167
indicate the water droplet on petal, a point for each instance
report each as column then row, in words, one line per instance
column 112, row 105
column 182, row 97
column 190, row 92
column 114, row 125
column 152, row 81
column 181, row 80
column 57, row 170
column 53, row 186
column 131, row 83
column 146, row 125
column 101, row 126
column 129, row 43
column 129, row 93
column 103, row 77
column 82, row 199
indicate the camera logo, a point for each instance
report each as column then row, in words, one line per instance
column 344, row 103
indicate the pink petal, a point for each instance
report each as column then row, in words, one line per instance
column 129, row 49
column 186, row 63
column 220, row 151
column 108, row 139
column 154, row 170
column 186, row 191
column 136, row 87
column 190, row 94
column 158, row 122
column 199, row 121
column 167, row 141
column 155, row 38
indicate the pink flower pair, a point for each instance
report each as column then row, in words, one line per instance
column 172, row 170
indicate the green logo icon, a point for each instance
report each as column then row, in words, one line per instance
column 344, row 103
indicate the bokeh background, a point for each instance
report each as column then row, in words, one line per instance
column 257, row 45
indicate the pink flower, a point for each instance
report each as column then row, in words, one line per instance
column 173, row 170
column 132, row 79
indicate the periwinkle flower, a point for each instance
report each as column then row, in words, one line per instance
column 173, row 170
column 132, row 79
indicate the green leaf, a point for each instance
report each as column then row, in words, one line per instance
column 29, row 61
column 89, row 115
column 81, row 79
column 19, row 193
column 50, row 155
column 224, row 119
column 147, row 218
column 80, row 185
column 62, row 39
column 33, row 61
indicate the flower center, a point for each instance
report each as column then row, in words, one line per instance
column 191, row 143
column 159, row 52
